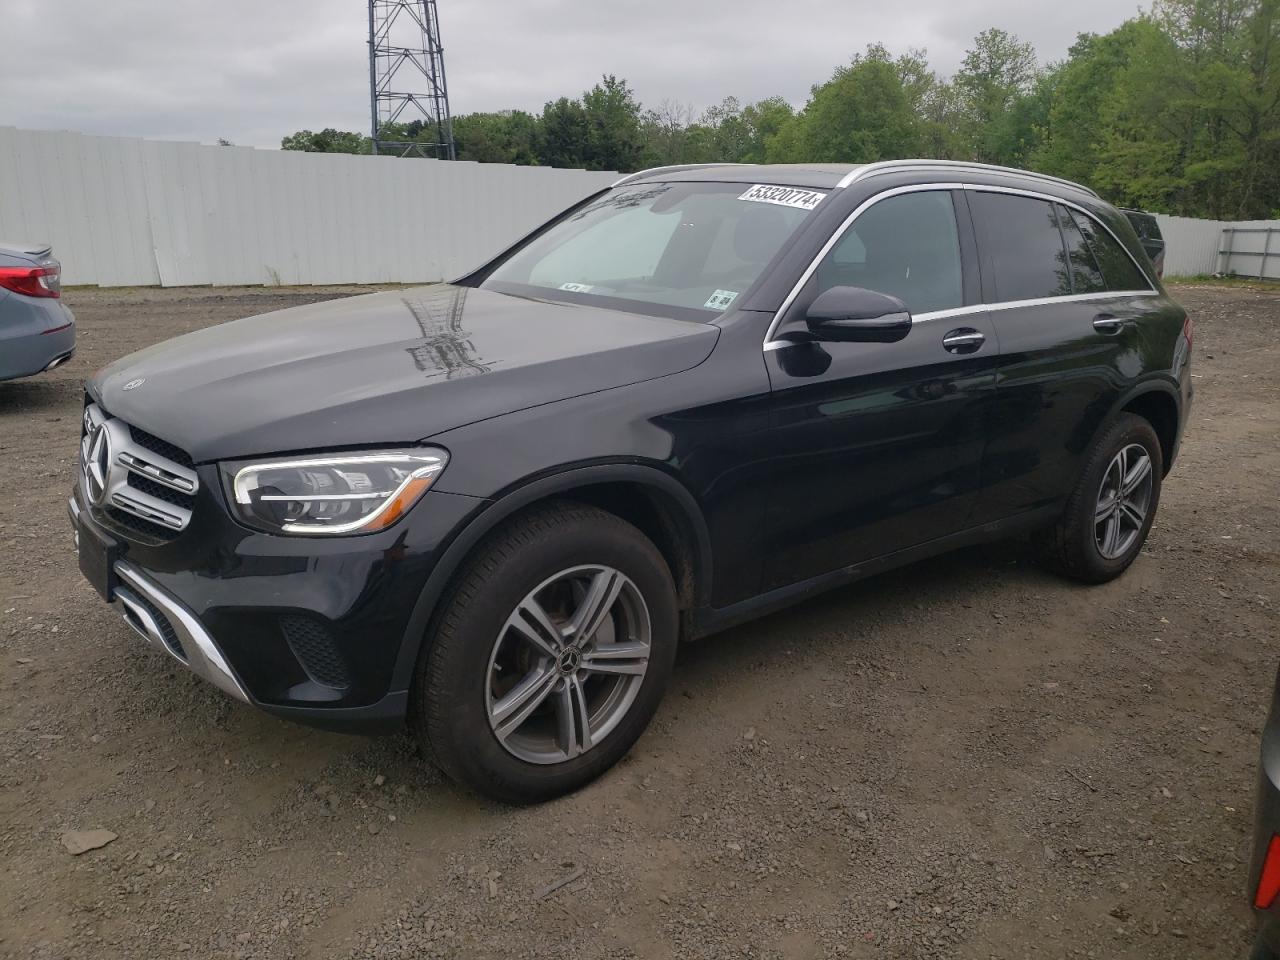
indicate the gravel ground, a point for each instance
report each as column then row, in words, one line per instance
column 967, row 758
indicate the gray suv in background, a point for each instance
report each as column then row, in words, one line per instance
column 37, row 332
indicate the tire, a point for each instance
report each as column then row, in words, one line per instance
column 1076, row 545
column 488, row 646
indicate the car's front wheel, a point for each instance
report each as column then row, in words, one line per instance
column 548, row 656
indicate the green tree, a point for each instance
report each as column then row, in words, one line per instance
column 614, row 140
column 1230, row 81
column 1075, row 131
column 730, row 132
column 669, row 136
column 764, row 121
column 1192, row 123
column 998, row 72
column 863, row 113
column 562, row 134
column 509, row 136
column 328, row 140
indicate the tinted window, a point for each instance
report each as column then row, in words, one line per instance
column 1118, row 269
column 1085, row 275
column 1022, row 240
column 1144, row 225
column 907, row 246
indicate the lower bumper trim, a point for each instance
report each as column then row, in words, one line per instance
column 148, row 609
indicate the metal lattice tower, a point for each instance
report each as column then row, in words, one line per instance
column 406, row 80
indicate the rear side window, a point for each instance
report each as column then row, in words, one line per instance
column 907, row 246
column 1023, row 245
column 1118, row 269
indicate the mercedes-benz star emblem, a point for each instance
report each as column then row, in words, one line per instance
column 134, row 384
column 98, row 464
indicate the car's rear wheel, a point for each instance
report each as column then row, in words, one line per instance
column 1110, row 512
column 548, row 656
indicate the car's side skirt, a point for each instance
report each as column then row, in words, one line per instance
column 704, row 621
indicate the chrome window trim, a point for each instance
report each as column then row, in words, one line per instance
column 771, row 344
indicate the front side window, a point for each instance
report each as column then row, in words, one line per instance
column 665, row 248
column 1023, row 244
column 907, row 246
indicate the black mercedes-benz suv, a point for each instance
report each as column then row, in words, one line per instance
column 490, row 509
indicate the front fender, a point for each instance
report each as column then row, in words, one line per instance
column 522, row 494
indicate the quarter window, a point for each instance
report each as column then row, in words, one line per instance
column 1085, row 275
column 1023, row 244
column 1118, row 269
column 907, row 246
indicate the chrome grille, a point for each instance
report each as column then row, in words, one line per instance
column 126, row 470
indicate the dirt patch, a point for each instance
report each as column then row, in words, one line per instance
column 967, row 758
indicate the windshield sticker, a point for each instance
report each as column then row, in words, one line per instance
column 784, row 196
column 720, row 300
column 576, row 287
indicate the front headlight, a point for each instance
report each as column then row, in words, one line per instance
column 344, row 493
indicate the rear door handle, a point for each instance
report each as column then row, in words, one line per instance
column 963, row 340
column 1107, row 323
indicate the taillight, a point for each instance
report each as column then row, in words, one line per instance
column 1269, row 880
column 1188, row 330
column 42, row 281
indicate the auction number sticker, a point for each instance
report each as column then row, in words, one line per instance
column 720, row 300
column 576, row 287
column 784, row 196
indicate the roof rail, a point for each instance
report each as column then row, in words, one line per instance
column 888, row 166
column 673, row 168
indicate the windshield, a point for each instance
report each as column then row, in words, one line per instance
column 666, row 248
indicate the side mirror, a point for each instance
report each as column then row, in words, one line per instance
column 855, row 315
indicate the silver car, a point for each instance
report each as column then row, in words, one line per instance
column 37, row 332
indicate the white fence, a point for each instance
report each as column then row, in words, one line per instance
column 1250, row 248
column 121, row 211
column 1190, row 246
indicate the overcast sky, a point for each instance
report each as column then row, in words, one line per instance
column 253, row 71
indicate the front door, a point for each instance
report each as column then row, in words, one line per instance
column 878, row 446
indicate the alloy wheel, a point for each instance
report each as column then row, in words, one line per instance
column 1123, row 501
column 568, row 664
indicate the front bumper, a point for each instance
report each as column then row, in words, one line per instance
column 165, row 623
column 223, row 601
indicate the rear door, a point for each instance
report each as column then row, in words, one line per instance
column 1064, row 296
column 876, row 447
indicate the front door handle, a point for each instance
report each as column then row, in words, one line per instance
column 963, row 340
column 1107, row 323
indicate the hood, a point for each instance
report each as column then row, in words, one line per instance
column 385, row 368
